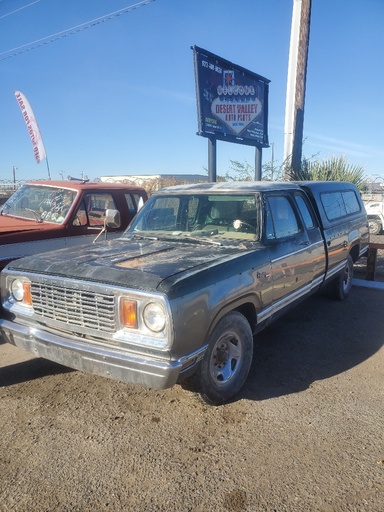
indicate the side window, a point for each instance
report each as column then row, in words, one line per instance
column 93, row 208
column 333, row 205
column 131, row 205
column 351, row 202
column 269, row 229
column 283, row 218
column 139, row 201
column 81, row 218
column 340, row 204
column 306, row 213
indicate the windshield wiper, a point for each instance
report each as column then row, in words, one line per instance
column 198, row 239
column 143, row 237
column 178, row 238
column 193, row 239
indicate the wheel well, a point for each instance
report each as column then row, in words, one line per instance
column 248, row 310
column 354, row 252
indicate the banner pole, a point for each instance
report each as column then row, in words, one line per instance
column 49, row 174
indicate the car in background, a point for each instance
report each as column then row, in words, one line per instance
column 46, row 215
column 375, row 213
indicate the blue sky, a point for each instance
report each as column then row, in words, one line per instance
column 119, row 97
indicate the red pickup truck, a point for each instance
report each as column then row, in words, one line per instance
column 46, row 215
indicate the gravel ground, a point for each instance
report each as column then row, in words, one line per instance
column 306, row 434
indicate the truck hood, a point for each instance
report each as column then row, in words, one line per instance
column 136, row 264
column 10, row 225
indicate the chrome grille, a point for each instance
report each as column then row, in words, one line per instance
column 89, row 309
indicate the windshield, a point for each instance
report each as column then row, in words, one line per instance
column 216, row 217
column 41, row 203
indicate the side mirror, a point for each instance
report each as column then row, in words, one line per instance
column 112, row 218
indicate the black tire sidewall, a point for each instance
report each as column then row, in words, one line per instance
column 210, row 392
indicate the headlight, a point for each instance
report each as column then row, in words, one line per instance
column 154, row 317
column 21, row 291
column 17, row 289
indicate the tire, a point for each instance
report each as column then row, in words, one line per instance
column 374, row 227
column 340, row 287
column 227, row 361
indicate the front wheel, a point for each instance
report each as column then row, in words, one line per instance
column 227, row 361
column 340, row 287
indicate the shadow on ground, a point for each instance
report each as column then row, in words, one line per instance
column 29, row 370
column 318, row 339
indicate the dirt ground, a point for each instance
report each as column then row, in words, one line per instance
column 306, row 434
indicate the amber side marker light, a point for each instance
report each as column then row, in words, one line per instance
column 128, row 313
column 27, row 293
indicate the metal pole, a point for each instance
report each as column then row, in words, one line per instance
column 258, row 160
column 49, row 174
column 211, row 159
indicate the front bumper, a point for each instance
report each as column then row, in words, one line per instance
column 94, row 358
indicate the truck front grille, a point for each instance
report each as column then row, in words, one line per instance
column 92, row 310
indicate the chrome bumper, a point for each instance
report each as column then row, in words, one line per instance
column 101, row 360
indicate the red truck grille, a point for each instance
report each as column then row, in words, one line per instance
column 87, row 309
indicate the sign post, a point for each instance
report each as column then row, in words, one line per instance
column 232, row 105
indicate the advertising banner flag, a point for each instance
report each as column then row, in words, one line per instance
column 32, row 126
column 232, row 102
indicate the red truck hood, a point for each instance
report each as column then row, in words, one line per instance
column 14, row 225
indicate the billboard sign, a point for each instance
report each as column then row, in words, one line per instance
column 232, row 102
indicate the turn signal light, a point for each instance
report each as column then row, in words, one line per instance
column 27, row 293
column 128, row 313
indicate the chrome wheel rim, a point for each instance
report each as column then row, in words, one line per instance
column 226, row 358
column 347, row 279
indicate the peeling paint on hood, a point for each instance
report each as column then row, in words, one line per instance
column 140, row 264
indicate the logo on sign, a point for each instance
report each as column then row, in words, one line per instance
column 236, row 105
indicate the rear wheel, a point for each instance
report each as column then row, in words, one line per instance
column 340, row 287
column 227, row 361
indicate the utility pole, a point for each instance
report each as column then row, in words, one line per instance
column 296, row 83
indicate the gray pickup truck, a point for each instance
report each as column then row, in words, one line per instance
column 199, row 271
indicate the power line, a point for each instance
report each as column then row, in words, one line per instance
column 20, row 9
column 70, row 31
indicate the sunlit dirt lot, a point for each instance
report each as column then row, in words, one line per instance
column 306, row 434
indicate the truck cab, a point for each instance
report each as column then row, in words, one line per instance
column 46, row 215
